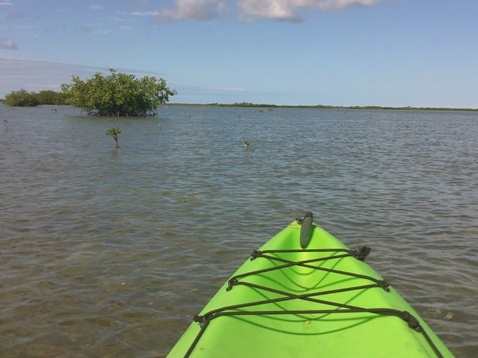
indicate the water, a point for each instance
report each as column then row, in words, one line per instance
column 109, row 253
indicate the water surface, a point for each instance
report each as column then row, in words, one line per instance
column 110, row 253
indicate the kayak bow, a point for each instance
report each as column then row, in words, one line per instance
column 306, row 294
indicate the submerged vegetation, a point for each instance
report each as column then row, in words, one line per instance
column 114, row 132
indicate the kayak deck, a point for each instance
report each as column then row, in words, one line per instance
column 308, row 296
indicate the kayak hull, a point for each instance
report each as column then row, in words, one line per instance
column 294, row 298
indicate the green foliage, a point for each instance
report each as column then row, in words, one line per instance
column 21, row 98
column 118, row 94
column 50, row 97
column 114, row 132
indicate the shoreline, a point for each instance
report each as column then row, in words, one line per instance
column 271, row 106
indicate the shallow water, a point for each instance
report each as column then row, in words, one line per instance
column 109, row 253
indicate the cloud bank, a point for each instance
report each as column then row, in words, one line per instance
column 36, row 75
column 42, row 75
column 251, row 10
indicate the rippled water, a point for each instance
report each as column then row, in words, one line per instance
column 109, row 253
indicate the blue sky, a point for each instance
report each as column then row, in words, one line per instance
column 301, row 52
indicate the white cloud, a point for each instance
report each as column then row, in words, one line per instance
column 250, row 10
column 288, row 10
column 7, row 44
column 6, row 2
column 270, row 9
column 194, row 10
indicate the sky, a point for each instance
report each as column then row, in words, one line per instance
column 419, row 53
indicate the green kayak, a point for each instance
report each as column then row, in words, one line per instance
column 305, row 294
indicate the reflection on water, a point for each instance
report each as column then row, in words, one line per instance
column 110, row 253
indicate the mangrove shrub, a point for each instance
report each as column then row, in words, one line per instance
column 50, row 97
column 21, row 98
column 118, row 94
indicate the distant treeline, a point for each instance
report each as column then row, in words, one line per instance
column 320, row 106
column 24, row 98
